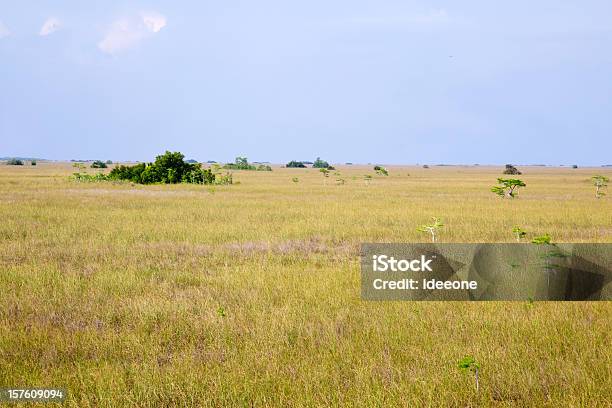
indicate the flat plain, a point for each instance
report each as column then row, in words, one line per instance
column 249, row 294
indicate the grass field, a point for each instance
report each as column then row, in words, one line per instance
column 249, row 295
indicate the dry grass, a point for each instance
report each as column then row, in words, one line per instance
column 113, row 291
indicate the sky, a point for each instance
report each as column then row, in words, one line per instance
column 385, row 81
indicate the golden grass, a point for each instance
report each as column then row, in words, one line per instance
column 114, row 291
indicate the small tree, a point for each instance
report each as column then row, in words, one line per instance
column 510, row 169
column 98, row 164
column 295, row 164
column 14, row 162
column 320, row 164
column 33, row 163
column 431, row 228
column 468, row 363
column 600, row 182
column 381, row 171
column 508, row 187
column 518, row 233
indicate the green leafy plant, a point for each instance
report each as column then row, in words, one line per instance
column 295, row 180
column 518, row 233
column 240, row 163
column 508, row 187
column 221, row 311
column 510, row 169
column 469, row 364
column 169, row 168
column 600, row 182
column 295, row 164
column 325, row 173
column 264, row 167
column 542, row 240
column 381, row 171
column 14, row 162
column 98, row 164
column 320, row 164
column 431, row 228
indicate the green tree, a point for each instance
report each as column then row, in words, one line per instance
column 295, row 164
column 508, row 187
column 98, row 164
column 320, row 164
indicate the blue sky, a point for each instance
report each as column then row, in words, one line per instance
column 362, row 81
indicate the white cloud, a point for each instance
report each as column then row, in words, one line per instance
column 4, row 31
column 153, row 21
column 128, row 32
column 50, row 26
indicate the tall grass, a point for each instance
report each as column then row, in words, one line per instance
column 113, row 291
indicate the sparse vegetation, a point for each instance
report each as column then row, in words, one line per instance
column 14, row 162
column 600, row 182
column 469, row 364
column 381, row 171
column 432, row 228
column 542, row 239
column 518, row 233
column 113, row 291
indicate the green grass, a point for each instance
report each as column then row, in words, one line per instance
column 113, row 291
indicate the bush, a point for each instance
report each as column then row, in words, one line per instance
column 510, row 169
column 14, row 162
column 98, row 164
column 241, row 163
column 169, row 168
column 320, row 164
column 295, row 164
column 264, row 167
column 33, row 163
column 109, row 162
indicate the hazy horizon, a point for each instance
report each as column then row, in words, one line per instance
column 390, row 82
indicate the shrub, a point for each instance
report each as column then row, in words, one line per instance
column 33, row 163
column 264, row 167
column 510, row 169
column 98, row 164
column 14, row 162
column 241, row 163
column 320, row 164
column 169, row 168
column 109, row 162
column 295, row 164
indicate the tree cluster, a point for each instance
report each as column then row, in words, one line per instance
column 169, row 168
